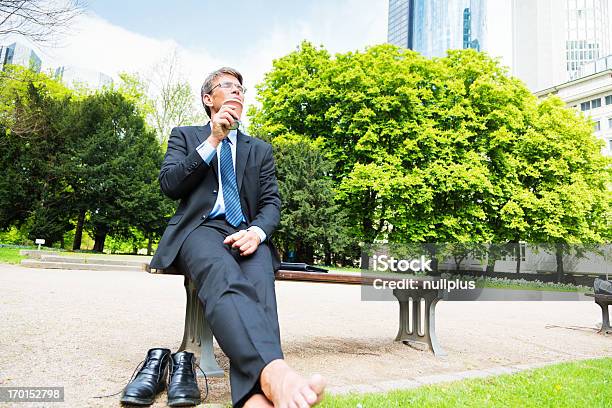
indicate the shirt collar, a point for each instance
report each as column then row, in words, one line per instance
column 232, row 136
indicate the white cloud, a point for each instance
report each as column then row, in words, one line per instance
column 97, row 44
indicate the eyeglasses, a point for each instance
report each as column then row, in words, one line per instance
column 229, row 85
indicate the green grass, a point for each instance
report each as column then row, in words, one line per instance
column 482, row 282
column 585, row 383
column 502, row 283
column 340, row 268
column 10, row 255
column 91, row 254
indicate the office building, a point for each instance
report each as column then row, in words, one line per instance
column 431, row 27
column 400, row 22
column 592, row 95
column 19, row 54
column 588, row 33
column 75, row 77
column 544, row 42
column 553, row 39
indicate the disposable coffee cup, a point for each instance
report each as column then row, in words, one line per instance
column 237, row 104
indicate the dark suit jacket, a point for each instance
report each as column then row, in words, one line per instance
column 186, row 177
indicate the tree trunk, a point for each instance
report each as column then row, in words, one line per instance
column 365, row 260
column 369, row 234
column 458, row 262
column 328, row 254
column 78, row 234
column 304, row 253
column 491, row 255
column 100, row 237
column 150, row 245
column 517, row 253
column 432, row 250
column 559, row 258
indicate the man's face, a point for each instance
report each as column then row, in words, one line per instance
column 221, row 92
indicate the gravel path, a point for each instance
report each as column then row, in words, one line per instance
column 87, row 331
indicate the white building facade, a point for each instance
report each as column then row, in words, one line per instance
column 19, row 54
column 592, row 95
column 74, row 77
column 553, row 39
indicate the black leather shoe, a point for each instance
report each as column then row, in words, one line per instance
column 183, row 388
column 150, row 380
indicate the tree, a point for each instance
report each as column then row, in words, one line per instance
column 312, row 224
column 112, row 160
column 172, row 99
column 37, row 20
column 562, row 193
column 35, row 133
column 438, row 151
column 86, row 159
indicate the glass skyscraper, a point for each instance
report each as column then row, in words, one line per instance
column 18, row 54
column 588, row 36
column 431, row 27
column 400, row 23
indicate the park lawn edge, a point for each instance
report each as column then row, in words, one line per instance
column 584, row 383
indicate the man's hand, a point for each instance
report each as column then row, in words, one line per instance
column 246, row 241
column 221, row 123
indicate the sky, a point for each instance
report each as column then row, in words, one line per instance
column 134, row 36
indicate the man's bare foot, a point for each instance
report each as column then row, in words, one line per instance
column 258, row 401
column 287, row 389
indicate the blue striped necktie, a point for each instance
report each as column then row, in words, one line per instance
column 233, row 212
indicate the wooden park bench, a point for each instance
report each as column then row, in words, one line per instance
column 416, row 314
column 604, row 301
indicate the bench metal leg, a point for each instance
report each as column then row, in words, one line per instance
column 605, row 317
column 197, row 336
column 421, row 329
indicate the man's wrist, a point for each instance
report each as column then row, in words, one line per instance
column 260, row 233
column 214, row 142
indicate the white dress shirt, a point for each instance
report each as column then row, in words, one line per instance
column 207, row 151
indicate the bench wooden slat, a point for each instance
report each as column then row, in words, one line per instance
column 416, row 304
column 301, row 276
column 304, row 276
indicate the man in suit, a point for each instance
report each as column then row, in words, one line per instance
column 220, row 236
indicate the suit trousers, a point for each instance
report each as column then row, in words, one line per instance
column 239, row 302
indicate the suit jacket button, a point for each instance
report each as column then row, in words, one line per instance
column 204, row 216
column 215, row 191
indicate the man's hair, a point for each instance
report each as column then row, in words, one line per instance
column 210, row 79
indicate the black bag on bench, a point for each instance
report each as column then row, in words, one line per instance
column 297, row 266
column 602, row 287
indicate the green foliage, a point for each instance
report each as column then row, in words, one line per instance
column 116, row 160
column 134, row 89
column 579, row 384
column 165, row 98
column 15, row 236
column 10, row 255
column 65, row 154
column 312, row 224
column 444, row 150
column 34, row 138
